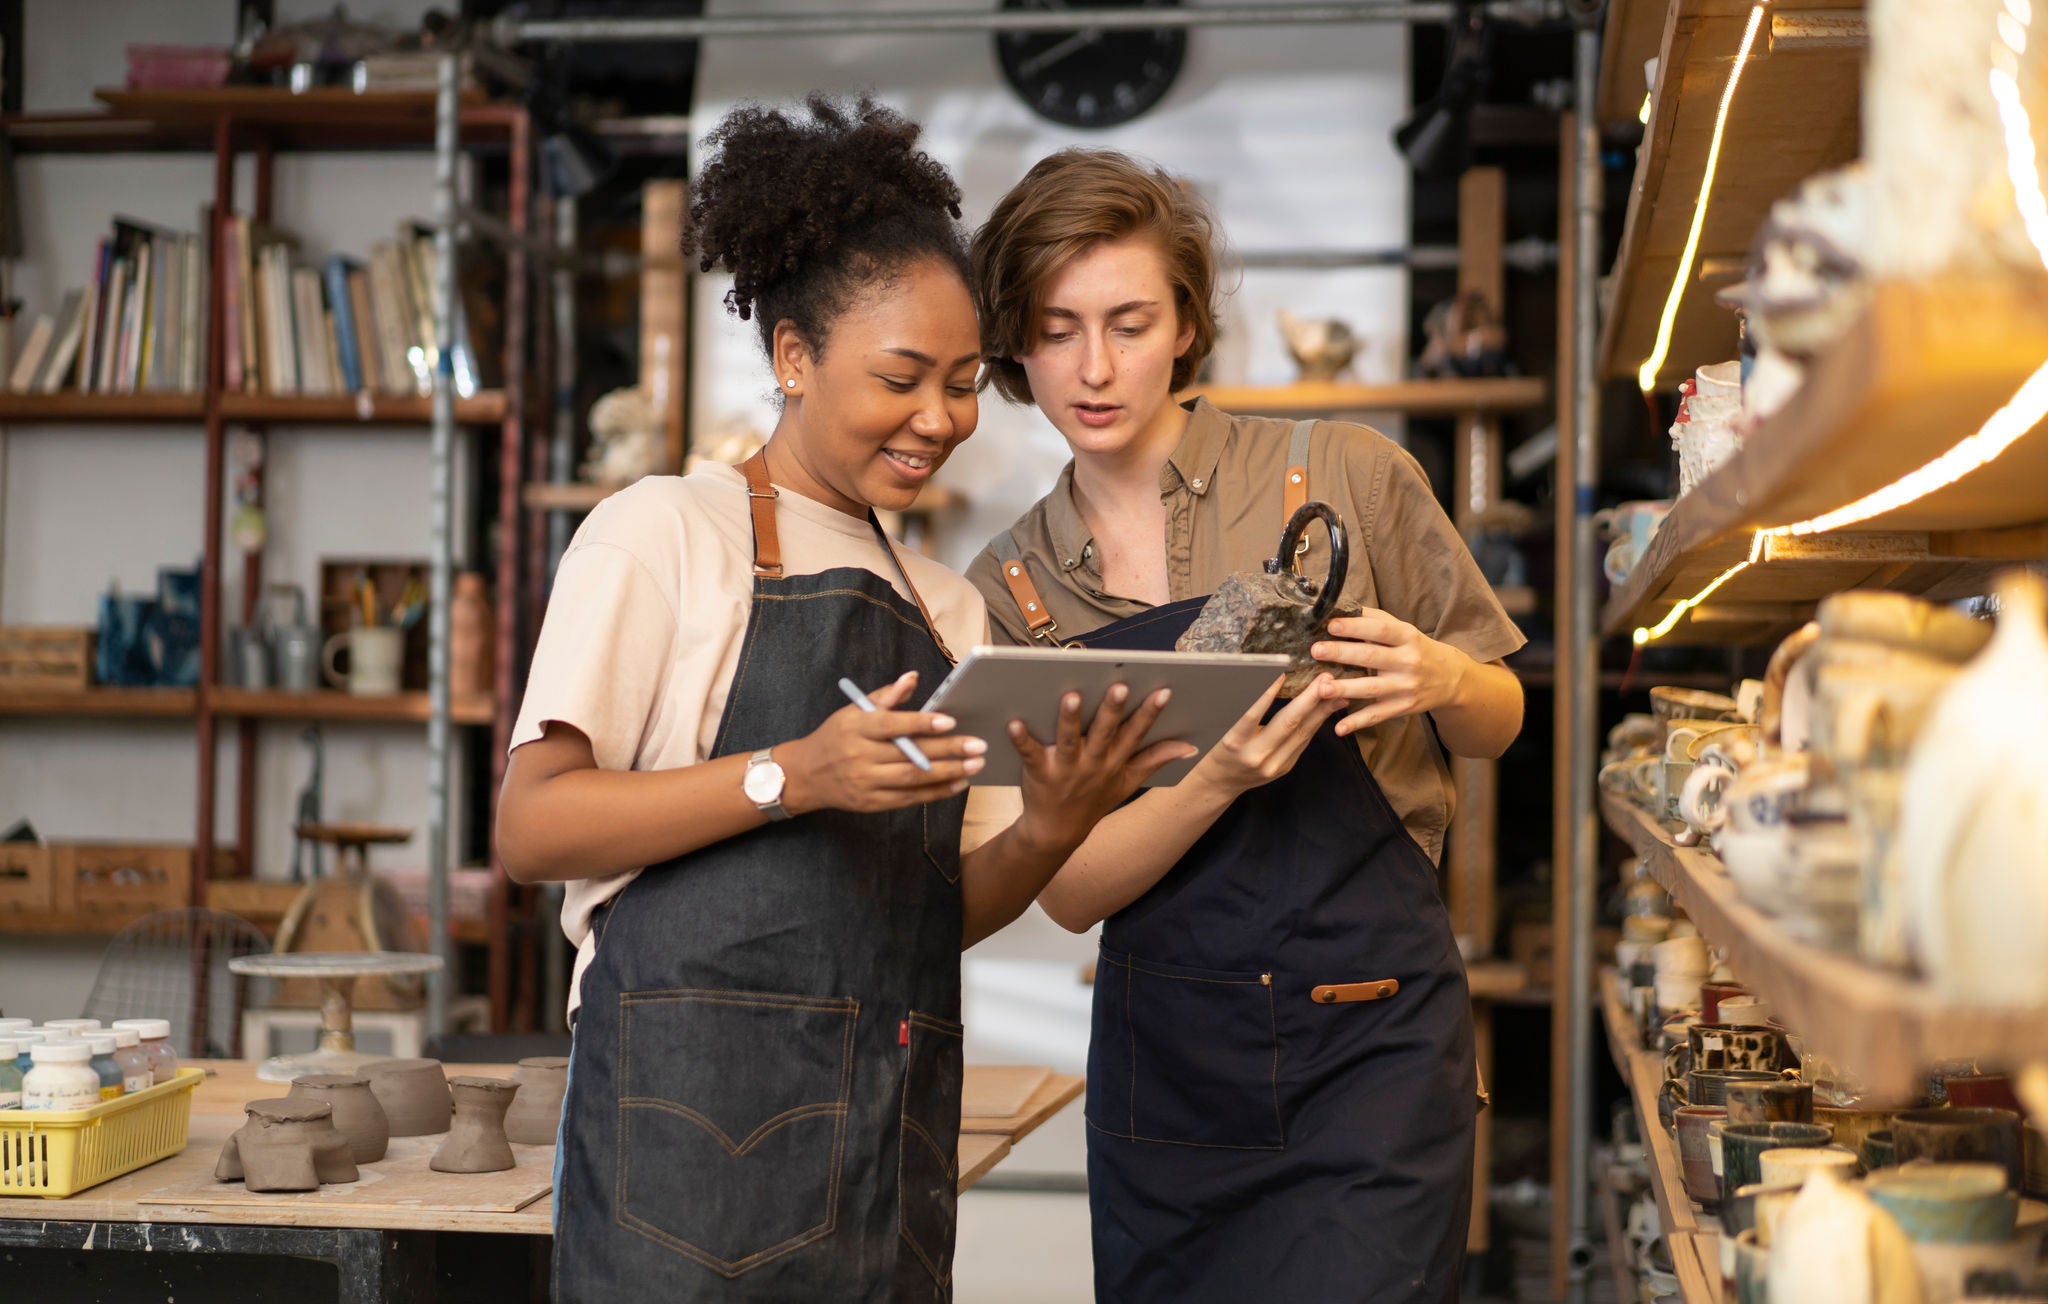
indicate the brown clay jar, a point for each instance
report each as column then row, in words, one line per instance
column 536, row 1114
column 287, row 1145
column 357, row 1115
column 470, row 665
column 476, row 1142
column 414, row 1094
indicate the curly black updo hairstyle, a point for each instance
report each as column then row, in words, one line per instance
column 808, row 212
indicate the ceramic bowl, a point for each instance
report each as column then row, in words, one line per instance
column 1951, row 1135
column 1742, row 1145
column 1902, row 621
column 1792, row 1165
column 1878, row 1152
column 1668, row 703
column 1850, row 1126
column 1746, row 1011
column 1962, row 1204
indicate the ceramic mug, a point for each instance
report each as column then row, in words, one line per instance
column 1746, row 1011
column 376, row 654
column 1752, row 1269
column 1697, row 1164
column 1792, row 1165
column 1743, row 1145
column 1769, row 1102
column 1678, row 957
column 1721, row 1047
column 1707, row 1087
column 1851, row 1126
column 1631, row 526
column 1711, row 996
column 1952, row 1135
column 1878, row 1152
column 1957, row 1204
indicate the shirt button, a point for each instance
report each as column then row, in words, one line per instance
column 1198, row 485
column 1070, row 563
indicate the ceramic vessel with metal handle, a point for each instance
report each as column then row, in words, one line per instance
column 1279, row 609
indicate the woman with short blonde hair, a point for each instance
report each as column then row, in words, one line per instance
column 1281, row 1084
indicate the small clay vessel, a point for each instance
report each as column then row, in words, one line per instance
column 476, row 1143
column 357, row 1115
column 414, row 1094
column 536, row 1114
column 289, row 1145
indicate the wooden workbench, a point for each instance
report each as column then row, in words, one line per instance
column 128, row 1213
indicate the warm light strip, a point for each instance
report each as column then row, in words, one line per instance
column 1646, row 378
column 1671, row 617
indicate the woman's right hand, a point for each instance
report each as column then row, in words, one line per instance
column 1256, row 751
column 851, row 762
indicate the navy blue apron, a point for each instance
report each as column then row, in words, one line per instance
column 1281, row 1084
column 765, row 1096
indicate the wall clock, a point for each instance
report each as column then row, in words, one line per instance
column 1091, row 77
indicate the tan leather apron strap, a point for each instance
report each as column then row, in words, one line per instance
column 1334, row 993
column 761, row 504
column 1018, row 577
column 1295, row 492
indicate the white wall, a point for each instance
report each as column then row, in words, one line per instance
column 80, row 506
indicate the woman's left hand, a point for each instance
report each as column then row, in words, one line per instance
column 1413, row 672
column 1085, row 773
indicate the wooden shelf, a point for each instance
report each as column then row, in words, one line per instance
column 1923, row 368
column 109, row 703
column 485, row 408
column 575, row 496
column 183, row 121
column 1795, row 113
column 1631, row 36
column 66, row 407
column 1885, row 1028
column 105, row 923
column 274, row 704
column 1412, row 397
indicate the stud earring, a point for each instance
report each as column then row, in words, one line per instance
column 790, row 383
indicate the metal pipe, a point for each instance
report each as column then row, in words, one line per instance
column 512, row 31
column 447, row 105
column 562, row 448
column 1583, row 671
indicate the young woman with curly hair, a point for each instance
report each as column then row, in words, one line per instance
column 1281, row 1086
column 767, row 898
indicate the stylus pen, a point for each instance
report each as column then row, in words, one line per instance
column 904, row 745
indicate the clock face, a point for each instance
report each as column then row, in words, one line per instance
column 1091, row 77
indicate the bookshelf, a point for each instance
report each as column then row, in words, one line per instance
column 243, row 129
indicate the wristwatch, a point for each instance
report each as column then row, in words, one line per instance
column 763, row 785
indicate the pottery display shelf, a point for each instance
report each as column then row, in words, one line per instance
column 1411, row 397
column 1886, row 1028
column 1794, row 114
column 1643, row 1073
column 336, row 972
column 1922, row 369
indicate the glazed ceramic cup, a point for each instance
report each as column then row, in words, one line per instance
column 1963, row 1204
column 1704, row 1087
column 1740, row 1211
column 1711, row 996
column 1982, row 1091
column 1954, row 1135
column 1792, row 1165
column 1769, row 1102
column 1746, row 1011
column 1725, row 1047
column 1752, row 1270
column 1697, row 1163
column 1851, row 1126
column 1668, row 704
column 1742, row 1144
column 1878, row 1152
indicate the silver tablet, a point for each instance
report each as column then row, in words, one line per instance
column 995, row 685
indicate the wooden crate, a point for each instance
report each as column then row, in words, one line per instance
column 45, row 657
column 121, row 878
column 24, row 876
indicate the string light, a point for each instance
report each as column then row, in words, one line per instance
column 1643, row 114
column 2028, row 406
column 1646, row 378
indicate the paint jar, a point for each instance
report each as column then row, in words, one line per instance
column 63, row 1077
column 23, row 1040
column 8, row 1027
column 136, row 1073
column 156, row 1042
column 104, row 1064
column 73, row 1027
column 10, row 1076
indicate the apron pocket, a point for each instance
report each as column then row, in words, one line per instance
column 1203, row 1055
column 927, row 1162
column 732, row 1121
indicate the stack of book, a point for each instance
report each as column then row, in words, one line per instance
column 349, row 326
column 138, row 327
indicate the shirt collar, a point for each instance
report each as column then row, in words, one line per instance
column 1192, row 463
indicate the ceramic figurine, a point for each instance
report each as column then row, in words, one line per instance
column 1463, row 337
column 626, row 443
column 477, row 1143
column 1322, row 347
column 1807, row 279
column 1973, row 828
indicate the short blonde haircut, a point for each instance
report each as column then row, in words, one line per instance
column 1068, row 203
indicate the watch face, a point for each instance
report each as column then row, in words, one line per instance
column 763, row 783
column 1091, row 77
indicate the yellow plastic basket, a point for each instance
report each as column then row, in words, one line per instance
column 60, row 1152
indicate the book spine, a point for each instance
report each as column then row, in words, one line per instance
column 30, row 361
column 343, row 310
column 252, row 304
column 366, row 331
column 95, row 307
column 112, row 312
column 64, row 344
column 198, row 287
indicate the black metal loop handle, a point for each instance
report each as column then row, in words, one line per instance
column 1340, row 556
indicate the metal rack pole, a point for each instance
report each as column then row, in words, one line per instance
column 447, row 108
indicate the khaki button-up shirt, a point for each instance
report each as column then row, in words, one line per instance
column 1223, row 494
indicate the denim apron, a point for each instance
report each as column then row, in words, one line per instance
column 765, row 1096
column 1281, row 1083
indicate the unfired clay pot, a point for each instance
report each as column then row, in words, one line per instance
column 476, row 1143
column 536, row 1114
column 357, row 1115
column 287, row 1145
column 414, row 1094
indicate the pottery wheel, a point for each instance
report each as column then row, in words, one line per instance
column 337, row 972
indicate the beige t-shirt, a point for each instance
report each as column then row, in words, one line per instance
column 644, row 627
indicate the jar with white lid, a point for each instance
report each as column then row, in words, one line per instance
column 63, row 1077
column 10, row 1075
column 73, row 1027
column 24, row 1039
column 156, row 1042
column 136, row 1073
column 104, row 1064
column 8, row 1027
